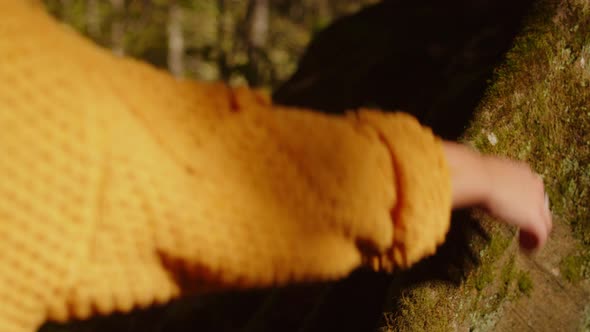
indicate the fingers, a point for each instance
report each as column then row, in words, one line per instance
column 534, row 234
column 518, row 198
column 528, row 241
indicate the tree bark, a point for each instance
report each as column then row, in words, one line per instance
column 257, row 36
column 176, row 45
column 117, row 28
column 93, row 18
column 223, row 44
column 258, row 15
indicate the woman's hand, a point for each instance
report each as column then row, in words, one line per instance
column 508, row 189
column 517, row 195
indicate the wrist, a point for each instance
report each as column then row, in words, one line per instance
column 472, row 176
column 486, row 191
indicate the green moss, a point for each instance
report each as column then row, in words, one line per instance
column 525, row 283
column 538, row 108
column 507, row 277
column 483, row 278
column 498, row 245
column 576, row 267
column 423, row 309
column 585, row 324
column 485, row 274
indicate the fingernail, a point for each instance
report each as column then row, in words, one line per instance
column 547, row 202
column 528, row 242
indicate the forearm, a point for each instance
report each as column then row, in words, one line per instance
column 469, row 178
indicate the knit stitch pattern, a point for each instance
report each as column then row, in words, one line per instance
column 123, row 187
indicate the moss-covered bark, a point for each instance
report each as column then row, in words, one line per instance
column 537, row 109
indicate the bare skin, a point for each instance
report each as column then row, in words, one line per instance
column 507, row 189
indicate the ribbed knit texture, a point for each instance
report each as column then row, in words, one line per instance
column 122, row 187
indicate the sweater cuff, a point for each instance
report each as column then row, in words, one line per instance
column 422, row 213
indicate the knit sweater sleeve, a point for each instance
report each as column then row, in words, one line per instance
column 123, row 187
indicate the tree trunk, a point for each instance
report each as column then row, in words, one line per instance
column 257, row 36
column 258, row 23
column 223, row 42
column 93, row 18
column 117, row 28
column 176, row 46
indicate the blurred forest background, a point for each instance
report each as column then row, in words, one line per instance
column 255, row 42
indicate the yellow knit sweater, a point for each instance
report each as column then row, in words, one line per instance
column 121, row 187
